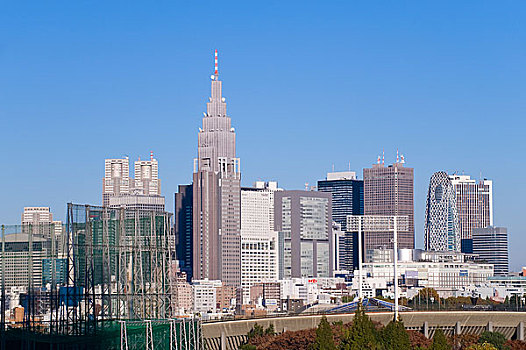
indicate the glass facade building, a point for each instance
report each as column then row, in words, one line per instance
column 303, row 221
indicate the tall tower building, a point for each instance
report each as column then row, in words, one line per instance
column 441, row 231
column 116, row 179
column 217, row 194
column 474, row 206
column 347, row 195
column 491, row 245
column 303, row 220
column 347, row 199
column 147, row 181
column 388, row 190
column 183, row 227
column 259, row 240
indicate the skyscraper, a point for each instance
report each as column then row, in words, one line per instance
column 183, row 228
column 491, row 245
column 259, row 240
column 347, row 195
column 389, row 191
column 474, row 206
column 143, row 192
column 147, row 180
column 303, row 220
column 442, row 231
column 116, row 179
column 347, row 199
column 217, row 194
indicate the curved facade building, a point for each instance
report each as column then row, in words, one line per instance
column 442, row 231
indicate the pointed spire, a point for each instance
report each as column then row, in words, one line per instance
column 397, row 157
column 216, row 71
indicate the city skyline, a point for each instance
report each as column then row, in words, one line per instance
column 78, row 179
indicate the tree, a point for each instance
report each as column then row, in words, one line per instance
column 494, row 338
column 440, row 341
column 324, row 337
column 484, row 346
column 256, row 331
column 247, row 347
column 361, row 334
column 270, row 330
column 395, row 337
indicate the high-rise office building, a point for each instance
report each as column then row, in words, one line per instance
column 441, row 231
column 347, row 195
column 217, row 195
column 143, row 192
column 347, row 199
column 147, row 182
column 39, row 221
column 116, row 179
column 388, row 190
column 304, row 224
column 474, row 206
column 183, row 227
column 259, row 240
column 491, row 245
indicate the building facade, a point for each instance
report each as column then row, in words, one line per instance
column 183, row 229
column 116, row 179
column 491, row 246
column 441, row 231
column 304, row 224
column 217, row 195
column 474, row 206
column 347, row 199
column 259, row 240
column 389, row 190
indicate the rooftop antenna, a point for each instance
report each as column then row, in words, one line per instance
column 215, row 62
column 397, row 158
column 333, row 168
column 349, row 166
column 306, row 186
column 151, row 155
column 383, row 157
column 403, row 160
column 378, row 160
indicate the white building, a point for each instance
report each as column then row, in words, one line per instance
column 116, row 179
column 205, row 298
column 39, row 221
column 259, row 241
column 444, row 271
column 147, row 180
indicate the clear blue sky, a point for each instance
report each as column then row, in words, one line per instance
column 308, row 85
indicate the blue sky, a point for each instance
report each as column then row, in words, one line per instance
column 308, row 85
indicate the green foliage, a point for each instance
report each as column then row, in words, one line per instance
column 440, row 341
column 324, row 337
column 494, row 338
column 395, row 337
column 484, row 346
column 270, row 330
column 361, row 335
column 247, row 347
column 256, row 331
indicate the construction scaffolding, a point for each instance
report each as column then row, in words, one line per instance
column 106, row 278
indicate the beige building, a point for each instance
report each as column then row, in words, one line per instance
column 217, row 195
column 388, row 190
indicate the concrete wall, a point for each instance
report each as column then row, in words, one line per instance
column 229, row 334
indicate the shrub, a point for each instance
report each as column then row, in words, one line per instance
column 494, row 338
